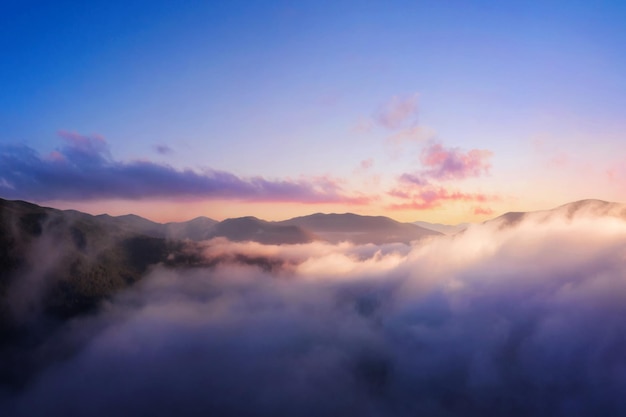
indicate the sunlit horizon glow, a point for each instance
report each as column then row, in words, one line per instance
column 441, row 112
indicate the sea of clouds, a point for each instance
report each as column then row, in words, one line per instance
column 519, row 319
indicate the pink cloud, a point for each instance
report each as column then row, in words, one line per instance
column 56, row 156
column 399, row 194
column 451, row 163
column 443, row 164
column 83, row 141
column 413, row 179
column 417, row 189
column 83, row 148
column 366, row 164
column 430, row 197
column 483, row 211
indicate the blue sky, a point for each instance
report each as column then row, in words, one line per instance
column 294, row 91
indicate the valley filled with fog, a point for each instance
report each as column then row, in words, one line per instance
column 522, row 315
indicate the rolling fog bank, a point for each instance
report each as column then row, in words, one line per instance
column 519, row 316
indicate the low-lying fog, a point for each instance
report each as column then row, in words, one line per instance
column 512, row 320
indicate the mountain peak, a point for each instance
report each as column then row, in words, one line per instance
column 359, row 229
column 586, row 208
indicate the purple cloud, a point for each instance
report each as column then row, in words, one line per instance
column 84, row 169
column 397, row 111
column 429, row 197
column 444, row 164
column 163, row 149
column 451, row 163
column 418, row 191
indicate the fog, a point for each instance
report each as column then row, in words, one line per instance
column 516, row 319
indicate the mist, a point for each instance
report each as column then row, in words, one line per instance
column 522, row 318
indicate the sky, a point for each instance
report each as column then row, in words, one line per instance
column 417, row 110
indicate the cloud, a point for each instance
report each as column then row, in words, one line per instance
column 420, row 190
column 83, row 169
column 412, row 134
column 366, row 164
column 425, row 197
column 163, row 149
column 397, row 112
column 501, row 319
column 364, row 167
column 483, row 211
column 451, row 163
column 413, row 179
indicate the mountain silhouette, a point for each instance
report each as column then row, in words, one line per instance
column 253, row 229
column 359, row 229
column 446, row 229
column 62, row 263
column 588, row 208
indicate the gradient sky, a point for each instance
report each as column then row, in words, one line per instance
column 441, row 111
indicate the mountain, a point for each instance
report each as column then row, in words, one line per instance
column 359, row 229
column 59, row 264
column 328, row 227
column 446, row 229
column 63, row 263
column 134, row 223
column 583, row 208
column 253, row 229
column 195, row 229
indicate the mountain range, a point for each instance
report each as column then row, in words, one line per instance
column 56, row 265
column 61, row 263
column 446, row 229
column 322, row 227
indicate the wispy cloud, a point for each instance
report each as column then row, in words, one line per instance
column 452, row 163
column 424, row 189
column 163, row 149
column 83, row 169
column 429, row 197
column 485, row 211
column 395, row 113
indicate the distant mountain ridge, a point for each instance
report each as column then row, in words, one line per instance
column 63, row 263
column 359, row 229
column 581, row 208
column 331, row 227
column 195, row 229
column 256, row 230
column 446, row 229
